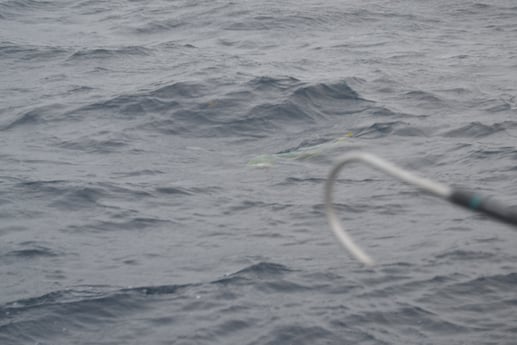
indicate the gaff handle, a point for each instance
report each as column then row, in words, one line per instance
column 484, row 204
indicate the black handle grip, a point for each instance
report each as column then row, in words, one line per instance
column 486, row 205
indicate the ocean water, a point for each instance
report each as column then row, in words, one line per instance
column 132, row 210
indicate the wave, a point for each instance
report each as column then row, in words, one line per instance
column 382, row 129
column 30, row 250
column 74, row 195
column 159, row 26
column 88, row 144
column 29, row 118
column 425, row 100
column 59, row 314
column 477, row 129
column 29, row 53
column 256, row 108
column 106, row 53
column 75, row 312
column 23, row 5
column 37, row 116
column 222, row 311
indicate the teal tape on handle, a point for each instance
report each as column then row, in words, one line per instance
column 475, row 202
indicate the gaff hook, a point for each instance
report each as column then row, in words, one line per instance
column 467, row 199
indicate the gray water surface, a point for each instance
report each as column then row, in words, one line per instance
column 129, row 211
